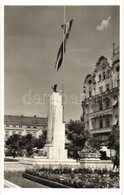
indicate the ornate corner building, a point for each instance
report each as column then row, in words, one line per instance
column 101, row 103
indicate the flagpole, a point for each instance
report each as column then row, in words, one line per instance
column 64, row 21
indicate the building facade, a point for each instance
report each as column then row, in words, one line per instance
column 101, row 103
column 23, row 125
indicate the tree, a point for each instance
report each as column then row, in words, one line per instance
column 17, row 142
column 76, row 133
column 29, row 142
column 114, row 139
column 41, row 141
column 13, row 142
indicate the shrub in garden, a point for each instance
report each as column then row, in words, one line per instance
column 79, row 177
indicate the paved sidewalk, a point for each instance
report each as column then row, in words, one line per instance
column 14, row 166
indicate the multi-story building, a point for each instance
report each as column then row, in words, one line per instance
column 101, row 102
column 23, row 125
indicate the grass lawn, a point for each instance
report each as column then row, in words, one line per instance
column 16, row 178
column 10, row 160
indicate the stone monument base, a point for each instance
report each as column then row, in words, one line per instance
column 55, row 153
column 44, row 162
column 96, row 163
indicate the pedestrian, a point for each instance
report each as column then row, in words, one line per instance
column 116, row 162
column 13, row 153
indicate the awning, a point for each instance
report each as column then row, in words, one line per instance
column 115, row 121
column 114, row 102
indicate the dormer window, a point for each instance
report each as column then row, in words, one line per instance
column 103, row 65
column 103, row 75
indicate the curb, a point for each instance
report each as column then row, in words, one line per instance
column 10, row 184
column 43, row 181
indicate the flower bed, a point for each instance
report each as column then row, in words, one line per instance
column 77, row 178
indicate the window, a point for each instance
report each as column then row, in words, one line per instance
column 104, row 137
column 118, row 83
column 99, row 77
column 89, row 82
column 20, row 125
column 7, row 125
column 101, row 123
column 14, row 125
column 107, row 87
column 101, row 89
column 28, row 126
column 90, row 93
column 107, row 103
column 13, row 132
column 108, row 73
column 115, row 97
column 34, row 127
column 107, row 122
column 117, row 68
column 100, row 106
column 7, row 134
column 103, row 65
column 103, row 74
column 20, row 132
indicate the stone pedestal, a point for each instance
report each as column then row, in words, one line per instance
column 56, row 129
column 96, row 163
column 92, row 160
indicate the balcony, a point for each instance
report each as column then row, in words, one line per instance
column 101, row 113
column 102, row 130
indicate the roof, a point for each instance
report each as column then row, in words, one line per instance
column 25, row 120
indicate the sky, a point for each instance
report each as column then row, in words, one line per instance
column 32, row 36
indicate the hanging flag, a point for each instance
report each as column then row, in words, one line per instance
column 67, row 28
column 60, row 56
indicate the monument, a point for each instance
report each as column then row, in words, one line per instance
column 56, row 129
column 55, row 146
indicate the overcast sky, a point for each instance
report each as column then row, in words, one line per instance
column 32, row 38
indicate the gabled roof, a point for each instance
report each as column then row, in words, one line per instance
column 25, row 120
